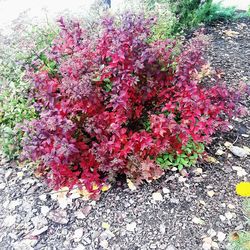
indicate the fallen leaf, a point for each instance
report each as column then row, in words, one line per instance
column 235, row 236
column 210, row 159
column 184, row 172
column 105, row 188
column 197, row 220
column 228, row 144
column 157, row 196
column 231, row 33
column 105, row 225
column 131, row 226
column 131, row 185
column 210, row 193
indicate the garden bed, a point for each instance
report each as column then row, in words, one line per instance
column 174, row 212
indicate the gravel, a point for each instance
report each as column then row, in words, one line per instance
column 31, row 219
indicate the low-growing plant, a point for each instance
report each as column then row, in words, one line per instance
column 15, row 105
column 241, row 240
column 116, row 102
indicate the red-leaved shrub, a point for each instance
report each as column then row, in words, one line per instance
column 114, row 102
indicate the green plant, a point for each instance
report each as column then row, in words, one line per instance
column 15, row 105
column 241, row 240
column 186, row 158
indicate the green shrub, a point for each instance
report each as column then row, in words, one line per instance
column 175, row 17
column 15, row 106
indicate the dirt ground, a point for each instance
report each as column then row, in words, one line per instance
column 191, row 213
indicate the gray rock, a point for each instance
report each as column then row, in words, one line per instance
column 58, row 216
column 240, row 152
column 170, row 247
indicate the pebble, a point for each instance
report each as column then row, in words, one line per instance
column 78, row 234
column 240, row 152
column 166, row 190
column 104, row 244
column 222, row 217
column 2, row 185
column 9, row 220
column 131, row 227
column 221, row 236
column 170, row 247
column 58, row 216
column 175, row 200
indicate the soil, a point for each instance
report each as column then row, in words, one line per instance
column 189, row 213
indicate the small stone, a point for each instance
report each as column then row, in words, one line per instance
column 219, row 152
column 9, row 220
column 245, row 135
column 247, row 149
column 78, row 234
column 157, row 196
column 37, row 232
column 166, row 190
column 211, row 232
column 44, row 210
column 131, row 227
column 80, row 247
column 240, row 171
column 2, row 185
column 175, row 200
column 107, row 234
column 182, row 179
column 82, row 213
column 229, row 215
column 86, row 241
column 170, row 247
column 153, row 246
column 58, row 216
column 240, row 152
column 210, row 193
column 222, row 217
column 162, row 228
column 43, row 197
column 231, row 206
column 198, row 171
column 39, row 221
column 221, row 236
column 228, row 144
column 197, row 220
column 104, row 244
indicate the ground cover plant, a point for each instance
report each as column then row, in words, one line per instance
column 15, row 105
column 118, row 103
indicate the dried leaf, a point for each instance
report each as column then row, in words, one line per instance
column 131, row 185
column 210, row 193
column 105, row 225
column 210, row 159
